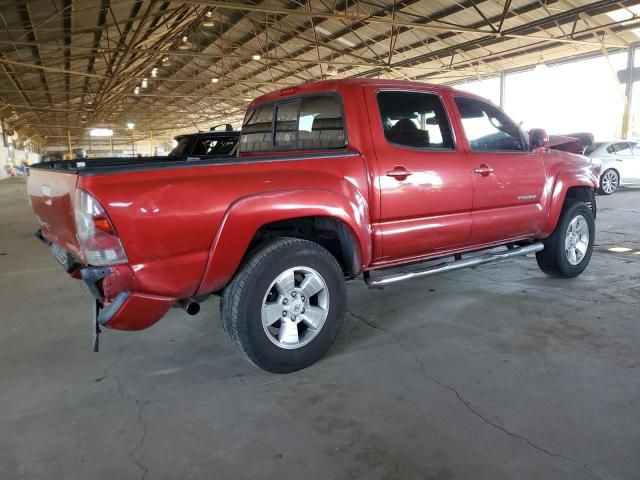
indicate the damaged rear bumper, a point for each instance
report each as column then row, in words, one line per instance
column 125, row 310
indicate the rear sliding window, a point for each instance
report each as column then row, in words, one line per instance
column 306, row 123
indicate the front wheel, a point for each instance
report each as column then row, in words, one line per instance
column 609, row 182
column 568, row 249
column 286, row 306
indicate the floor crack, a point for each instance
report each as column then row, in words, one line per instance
column 499, row 427
column 132, row 454
column 375, row 326
column 107, row 371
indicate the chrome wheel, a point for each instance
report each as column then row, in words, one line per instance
column 295, row 307
column 610, row 181
column 577, row 240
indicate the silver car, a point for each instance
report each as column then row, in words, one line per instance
column 618, row 163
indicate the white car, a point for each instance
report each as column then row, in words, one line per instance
column 618, row 163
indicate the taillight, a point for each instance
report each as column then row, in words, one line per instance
column 98, row 239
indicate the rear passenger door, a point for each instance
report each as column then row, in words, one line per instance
column 634, row 167
column 508, row 179
column 425, row 183
column 627, row 156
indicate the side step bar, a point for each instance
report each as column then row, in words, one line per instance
column 381, row 281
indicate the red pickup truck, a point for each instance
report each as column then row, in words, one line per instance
column 332, row 179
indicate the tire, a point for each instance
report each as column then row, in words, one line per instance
column 556, row 258
column 609, row 182
column 271, row 282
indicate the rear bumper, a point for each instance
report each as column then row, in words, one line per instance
column 126, row 310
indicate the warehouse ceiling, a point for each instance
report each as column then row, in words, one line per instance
column 170, row 66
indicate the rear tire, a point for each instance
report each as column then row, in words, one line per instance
column 289, row 275
column 609, row 182
column 568, row 249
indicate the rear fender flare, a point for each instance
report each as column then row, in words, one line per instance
column 246, row 215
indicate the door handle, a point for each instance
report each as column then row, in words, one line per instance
column 399, row 172
column 483, row 170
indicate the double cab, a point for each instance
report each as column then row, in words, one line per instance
column 332, row 181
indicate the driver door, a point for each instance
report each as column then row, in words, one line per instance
column 508, row 179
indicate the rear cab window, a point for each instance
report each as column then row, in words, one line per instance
column 314, row 122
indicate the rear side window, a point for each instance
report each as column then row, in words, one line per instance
column 487, row 128
column 620, row 148
column 301, row 124
column 415, row 119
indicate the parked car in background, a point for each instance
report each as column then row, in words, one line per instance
column 201, row 144
column 618, row 163
column 565, row 144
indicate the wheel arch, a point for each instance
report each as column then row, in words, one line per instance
column 570, row 184
column 341, row 223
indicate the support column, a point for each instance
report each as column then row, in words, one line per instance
column 503, row 78
column 628, row 114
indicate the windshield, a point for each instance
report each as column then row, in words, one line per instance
column 180, row 148
column 592, row 148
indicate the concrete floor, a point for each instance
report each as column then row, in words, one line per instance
column 492, row 373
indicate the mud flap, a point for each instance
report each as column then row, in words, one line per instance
column 95, row 326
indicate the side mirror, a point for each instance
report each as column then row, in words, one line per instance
column 538, row 138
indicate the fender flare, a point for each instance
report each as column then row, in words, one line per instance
column 566, row 179
column 246, row 215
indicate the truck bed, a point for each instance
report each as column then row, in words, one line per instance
column 94, row 166
column 110, row 165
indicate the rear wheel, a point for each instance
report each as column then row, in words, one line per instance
column 568, row 249
column 609, row 182
column 285, row 307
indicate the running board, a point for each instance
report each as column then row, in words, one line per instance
column 381, row 281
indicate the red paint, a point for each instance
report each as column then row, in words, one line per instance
column 185, row 230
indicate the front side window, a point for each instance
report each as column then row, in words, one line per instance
column 300, row 124
column 415, row 119
column 487, row 128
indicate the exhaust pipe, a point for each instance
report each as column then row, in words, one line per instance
column 190, row 306
column 381, row 281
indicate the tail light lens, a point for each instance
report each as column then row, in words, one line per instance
column 98, row 239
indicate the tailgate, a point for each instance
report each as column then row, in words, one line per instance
column 52, row 196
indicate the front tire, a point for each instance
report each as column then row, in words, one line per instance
column 609, row 182
column 568, row 249
column 285, row 307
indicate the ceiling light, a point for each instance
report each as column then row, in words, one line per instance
column 154, row 72
column 215, row 80
column 166, row 61
column 331, row 70
column 101, row 132
column 256, row 57
column 541, row 66
column 136, row 90
column 208, row 20
column 145, row 83
column 130, row 125
column 184, row 44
